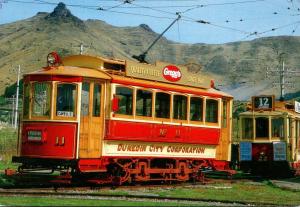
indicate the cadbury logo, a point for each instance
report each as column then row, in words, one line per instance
column 172, row 73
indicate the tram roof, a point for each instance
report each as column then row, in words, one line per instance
column 159, row 72
column 281, row 108
column 116, row 69
column 72, row 71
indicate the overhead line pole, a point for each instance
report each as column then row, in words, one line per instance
column 17, row 98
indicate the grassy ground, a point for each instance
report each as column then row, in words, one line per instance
column 246, row 192
column 8, row 145
column 34, row 201
column 262, row 192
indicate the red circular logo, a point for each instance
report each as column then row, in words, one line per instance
column 172, row 73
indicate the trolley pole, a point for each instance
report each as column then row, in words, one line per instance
column 81, row 48
column 17, row 98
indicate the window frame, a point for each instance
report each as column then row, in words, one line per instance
column 242, row 119
column 93, row 99
column 27, row 116
column 187, row 108
column 171, row 106
column 55, row 99
column 268, row 130
column 218, row 112
column 200, row 122
column 152, row 104
column 131, row 116
column 89, row 99
column 284, row 133
column 31, row 102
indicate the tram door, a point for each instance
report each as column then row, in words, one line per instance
column 91, row 119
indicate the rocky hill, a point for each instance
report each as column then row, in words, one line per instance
column 238, row 67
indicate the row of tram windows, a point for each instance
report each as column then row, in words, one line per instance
column 38, row 95
column 260, row 127
column 183, row 107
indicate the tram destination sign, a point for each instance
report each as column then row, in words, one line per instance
column 168, row 73
column 297, row 107
column 263, row 103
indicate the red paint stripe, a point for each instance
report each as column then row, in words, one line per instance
column 126, row 82
column 151, row 132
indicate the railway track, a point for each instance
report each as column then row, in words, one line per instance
column 92, row 194
column 96, row 194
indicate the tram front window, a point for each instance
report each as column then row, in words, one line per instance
column 41, row 99
column 66, row 99
column 247, row 128
column 262, row 127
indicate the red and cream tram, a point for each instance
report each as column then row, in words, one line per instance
column 114, row 118
column 270, row 137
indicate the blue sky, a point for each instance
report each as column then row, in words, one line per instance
column 202, row 21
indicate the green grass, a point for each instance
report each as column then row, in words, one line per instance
column 43, row 201
column 258, row 192
column 8, row 145
column 248, row 192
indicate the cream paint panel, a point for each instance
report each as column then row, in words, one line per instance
column 127, row 148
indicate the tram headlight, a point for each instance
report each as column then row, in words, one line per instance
column 53, row 59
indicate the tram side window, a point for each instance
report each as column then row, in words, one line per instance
column 26, row 100
column 144, row 103
column 196, row 109
column 247, row 128
column 162, row 105
column 262, row 127
column 278, row 127
column 290, row 128
column 180, row 107
column 41, row 99
column 96, row 100
column 85, row 99
column 298, row 135
column 212, row 111
column 125, row 96
column 66, row 99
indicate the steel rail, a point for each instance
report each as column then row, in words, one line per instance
column 95, row 195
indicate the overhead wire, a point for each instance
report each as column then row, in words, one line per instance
column 184, row 18
column 221, row 4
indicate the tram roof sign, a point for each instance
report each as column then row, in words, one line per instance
column 166, row 72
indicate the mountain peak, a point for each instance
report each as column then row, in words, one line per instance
column 146, row 27
column 62, row 14
column 61, row 11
